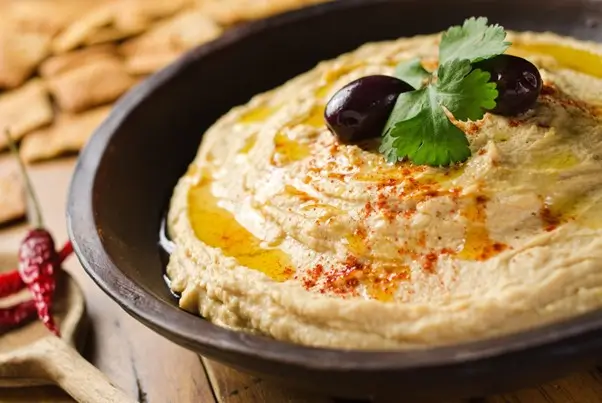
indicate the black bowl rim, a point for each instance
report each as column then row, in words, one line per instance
column 198, row 334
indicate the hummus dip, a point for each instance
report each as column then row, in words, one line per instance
column 282, row 231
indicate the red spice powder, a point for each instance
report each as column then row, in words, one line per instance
column 498, row 247
column 490, row 250
column 288, row 271
column 313, row 275
column 481, row 199
column 550, row 219
column 338, row 280
column 430, row 259
column 566, row 102
column 368, row 209
column 409, row 213
column 361, row 232
column 472, row 128
column 548, row 89
column 335, row 175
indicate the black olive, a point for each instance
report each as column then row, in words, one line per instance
column 360, row 110
column 518, row 83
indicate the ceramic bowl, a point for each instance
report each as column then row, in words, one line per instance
column 125, row 176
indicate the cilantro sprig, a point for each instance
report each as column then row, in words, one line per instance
column 419, row 127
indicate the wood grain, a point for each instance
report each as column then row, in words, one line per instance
column 231, row 386
column 39, row 394
column 152, row 369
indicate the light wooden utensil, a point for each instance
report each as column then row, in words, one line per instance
column 31, row 355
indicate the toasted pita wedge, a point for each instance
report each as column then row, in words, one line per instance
column 141, row 14
column 118, row 19
column 45, row 16
column 168, row 40
column 229, row 12
column 105, row 36
column 20, row 53
column 84, row 79
column 24, row 109
column 68, row 134
column 60, row 64
column 26, row 31
column 12, row 197
column 149, row 63
column 79, row 30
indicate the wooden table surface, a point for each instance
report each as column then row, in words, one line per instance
column 154, row 370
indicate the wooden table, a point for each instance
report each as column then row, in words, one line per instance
column 155, row 370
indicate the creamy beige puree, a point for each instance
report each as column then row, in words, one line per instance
column 280, row 230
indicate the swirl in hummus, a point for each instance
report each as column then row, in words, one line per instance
column 282, row 231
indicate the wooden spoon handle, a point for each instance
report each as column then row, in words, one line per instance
column 76, row 376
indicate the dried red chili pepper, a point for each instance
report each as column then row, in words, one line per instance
column 10, row 283
column 17, row 314
column 38, row 262
column 65, row 251
column 38, row 258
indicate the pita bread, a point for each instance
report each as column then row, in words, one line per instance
column 115, row 20
column 20, row 53
column 84, row 79
column 24, row 109
column 57, row 65
column 141, row 14
column 149, row 63
column 105, row 35
column 229, row 12
column 68, row 134
column 79, row 30
column 26, row 31
column 168, row 40
column 45, row 16
column 12, row 196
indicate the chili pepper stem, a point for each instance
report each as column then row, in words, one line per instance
column 37, row 220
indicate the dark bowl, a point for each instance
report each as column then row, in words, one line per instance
column 126, row 174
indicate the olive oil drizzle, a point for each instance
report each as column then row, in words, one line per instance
column 218, row 228
column 576, row 59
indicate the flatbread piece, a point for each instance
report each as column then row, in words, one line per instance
column 86, row 78
column 12, row 196
column 166, row 41
column 229, row 12
column 20, row 53
column 68, row 134
column 24, row 109
column 114, row 20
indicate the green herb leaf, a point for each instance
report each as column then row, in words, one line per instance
column 418, row 127
column 474, row 41
column 412, row 72
column 427, row 138
column 466, row 94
